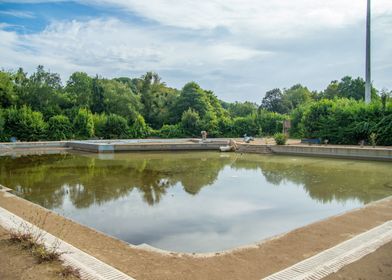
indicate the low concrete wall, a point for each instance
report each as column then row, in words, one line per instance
column 334, row 151
column 33, row 145
column 160, row 146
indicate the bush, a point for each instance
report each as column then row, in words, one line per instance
column 24, row 124
column 190, row 123
column 2, row 133
column 170, row 131
column 384, row 131
column 59, row 128
column 99, row 125
column 139, row 128
column 244, row 125
column 270, row 122
column 116, row 127
column 344, row 121
column 280, row 138
column 83, row 124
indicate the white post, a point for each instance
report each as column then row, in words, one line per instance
column 368, row 86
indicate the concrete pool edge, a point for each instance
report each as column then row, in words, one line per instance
column 193, row 144
column 247, row 252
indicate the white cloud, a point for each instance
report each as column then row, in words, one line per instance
column 261, row 18
column 19, row 14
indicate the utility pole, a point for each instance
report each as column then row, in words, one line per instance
column 368, row 86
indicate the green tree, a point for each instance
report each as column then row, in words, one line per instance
column 273, row 102
column 7, row 93
column 296, row 96
column 80, row 87
column 83, row 124
column 59, row 128
column 192, row 97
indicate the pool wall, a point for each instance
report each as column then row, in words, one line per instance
column 110, row 146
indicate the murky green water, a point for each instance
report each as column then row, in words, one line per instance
column 195, row 201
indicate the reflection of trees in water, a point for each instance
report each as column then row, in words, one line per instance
column 48, row 179
column 326, row 180
column 87, row 180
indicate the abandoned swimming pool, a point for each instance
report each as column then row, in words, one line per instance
column 195, row 201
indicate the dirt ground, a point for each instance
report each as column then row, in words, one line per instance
column 16, row 263
column 376, row 266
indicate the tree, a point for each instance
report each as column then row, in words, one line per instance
column 273, row 102
column 242, row 109
column 83, row 124
column 7, row 93
column 296, row 96
column 192, row 97
column 80, row 87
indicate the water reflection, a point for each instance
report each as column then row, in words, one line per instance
column 89, row 179
column 195, row 201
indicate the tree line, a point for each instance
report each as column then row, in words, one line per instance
column 40, row 107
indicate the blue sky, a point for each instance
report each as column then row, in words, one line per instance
column 237, row 48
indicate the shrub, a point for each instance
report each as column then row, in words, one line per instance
column 99, row 125
column 83, row 124
column 170, row 131
column 190, row 123
column 139, row 128
column 244, row 125
column 280, row 138
column 24, row 124
column 269, row 122
column 116, row 127
column 2, row 132
column 59, row 128
column 384, row 131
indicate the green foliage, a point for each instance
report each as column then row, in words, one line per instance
column 24, row 124
column 344, row 121
column 171, row 131
column 190, row 123
column 139, row 128
column 270, row 122
column 7, row 93
column 83, row 124
column 192, row 97
column 242, row 109
column 116, row 127
column 59, row 128
column 384, row 131
column 244, row 125
column 273, row 102
column 99, row 125
column 280, row 138
column 2, row 123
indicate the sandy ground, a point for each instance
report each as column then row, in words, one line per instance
column 253, row 262
column 376, row 266
column 16, row 263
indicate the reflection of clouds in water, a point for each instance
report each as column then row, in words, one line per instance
column 221, row 217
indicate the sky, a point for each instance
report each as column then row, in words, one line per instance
column 238, row 48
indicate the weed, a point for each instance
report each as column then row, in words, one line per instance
column 69, row 271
